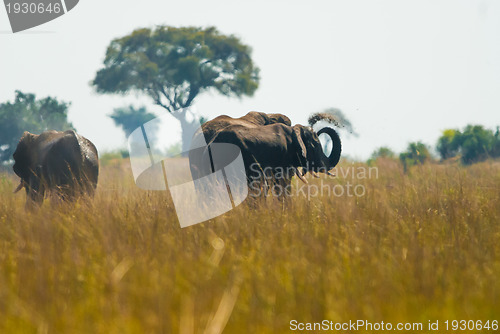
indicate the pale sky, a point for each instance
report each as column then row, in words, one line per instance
column 401, row 71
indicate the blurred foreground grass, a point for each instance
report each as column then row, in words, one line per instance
column 416, row 247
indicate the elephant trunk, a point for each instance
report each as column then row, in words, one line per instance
column 333, row 159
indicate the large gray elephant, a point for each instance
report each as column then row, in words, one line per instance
column 63, row 164
column 276, row 150
column 279, row 150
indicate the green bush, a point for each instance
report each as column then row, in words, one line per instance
column 473, row 144
column 448, row 144
column 417, row 153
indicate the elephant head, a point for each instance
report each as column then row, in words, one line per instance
column 26, row 166
column 311, row 156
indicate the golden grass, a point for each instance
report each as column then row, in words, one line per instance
column 419, row 246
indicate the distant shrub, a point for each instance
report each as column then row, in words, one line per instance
column 473, row 144
column 382, row 152
column 448, row 144
column 417, row 153
column 496, row 146
column 476, row 144
column 106, row 157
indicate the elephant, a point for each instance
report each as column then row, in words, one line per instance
column 279, row 150
column 63, row 164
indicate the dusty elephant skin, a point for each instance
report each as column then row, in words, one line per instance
column 63, row 164
column 251, row 120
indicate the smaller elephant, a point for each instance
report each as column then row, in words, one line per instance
column 64, row 164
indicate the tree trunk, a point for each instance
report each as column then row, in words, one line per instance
column 187, row 131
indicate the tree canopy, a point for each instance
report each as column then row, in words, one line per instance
column 173, row 65
column 27, row 113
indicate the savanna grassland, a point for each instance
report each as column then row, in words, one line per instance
column 419, row 246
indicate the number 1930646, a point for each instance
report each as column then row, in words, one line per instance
column 470, row 325
column 25, row 8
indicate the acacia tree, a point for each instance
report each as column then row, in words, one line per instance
column 173, row 65
column 130, row 118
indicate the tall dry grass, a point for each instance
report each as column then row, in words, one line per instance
column 419, row 246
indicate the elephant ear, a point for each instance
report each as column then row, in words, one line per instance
column 298, row 141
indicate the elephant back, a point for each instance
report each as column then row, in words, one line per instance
column 90, row 160
column 63, row 159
